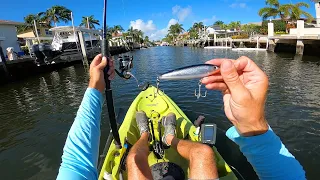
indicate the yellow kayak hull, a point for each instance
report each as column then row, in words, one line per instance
column 155, row 104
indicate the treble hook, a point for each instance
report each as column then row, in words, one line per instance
column 199, row 91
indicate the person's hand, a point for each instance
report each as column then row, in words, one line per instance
column 96, row 72
column 244, row 86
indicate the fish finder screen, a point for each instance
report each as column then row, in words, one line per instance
column 208, row 133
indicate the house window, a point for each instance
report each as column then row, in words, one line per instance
column 39, row 32
column 48, row 32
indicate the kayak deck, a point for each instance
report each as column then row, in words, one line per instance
column 156, row 105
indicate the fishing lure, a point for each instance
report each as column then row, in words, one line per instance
column 190, row 72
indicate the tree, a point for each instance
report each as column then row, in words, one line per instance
column 146, row 39
column 198, row 26
column 29, row 23
column 193, row 33
column 175, row 30
column 55, row 14
column 218, row 23
column 251, row 28
column 235, row 25
column 295, row 11
column 89, row 21
column 274, row 9
column 117, row 28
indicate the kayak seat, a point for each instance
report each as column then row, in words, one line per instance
column 150, row 103
column 167, row 170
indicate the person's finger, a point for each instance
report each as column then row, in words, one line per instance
column 231, row 78
column 103, row 63
column 111, row 70
column 217, row 62
column 111, row 76
column 96, row 61
column 217, row 86
column 212, row 79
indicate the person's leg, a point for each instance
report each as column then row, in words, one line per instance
column 201, row 158
column 137, row 159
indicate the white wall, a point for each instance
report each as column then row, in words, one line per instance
column 317, row 6
column 306, row 31
column 9, row 33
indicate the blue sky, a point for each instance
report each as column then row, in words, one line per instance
column 151, row 16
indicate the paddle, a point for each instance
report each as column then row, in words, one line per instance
column 106, row 53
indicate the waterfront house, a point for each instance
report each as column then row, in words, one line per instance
column 8, row 35
column 42, row 32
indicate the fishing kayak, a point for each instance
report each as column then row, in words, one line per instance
column 156, row 104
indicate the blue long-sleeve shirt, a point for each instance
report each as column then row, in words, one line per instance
column 81, row 151
column 266, row 153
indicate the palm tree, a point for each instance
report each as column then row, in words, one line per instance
column 89, row 21
column 146, row 39
column 218, row 23
column 29, row 23
column 274, row 9
column 193, row 33
column 296, row 12
column 55, row 14
column 175, row 30
column 198, row 26
column 117, row 28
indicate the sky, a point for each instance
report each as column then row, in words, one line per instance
column 151, row 16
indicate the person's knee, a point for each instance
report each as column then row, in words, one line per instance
column 201, row 151
column 134, row 158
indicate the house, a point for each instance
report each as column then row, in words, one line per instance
column 8, row 35
column 42, row 32
column 183, row 36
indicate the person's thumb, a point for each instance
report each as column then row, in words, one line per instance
column 231, row 78
column 103, row 63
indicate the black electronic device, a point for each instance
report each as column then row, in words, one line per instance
column 208, row 134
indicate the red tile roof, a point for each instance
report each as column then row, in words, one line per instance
column 10, row 22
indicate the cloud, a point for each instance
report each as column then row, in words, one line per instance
column 150, row 29
column 141, row 25
column 181, row 13
column 209, row 21
column 238, row 5
column 159, row 34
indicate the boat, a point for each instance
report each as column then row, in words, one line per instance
column 249, row 49
column 217, row 47
column 66, row 45
column 156, row 104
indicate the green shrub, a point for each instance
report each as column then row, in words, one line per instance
column 25, row 49
column 279, row 25
column 281, row 32
column 241, row 36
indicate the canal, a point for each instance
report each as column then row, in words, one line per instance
column 36, row 113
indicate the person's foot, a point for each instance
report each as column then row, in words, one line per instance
column 142, row 122
column 169, row 123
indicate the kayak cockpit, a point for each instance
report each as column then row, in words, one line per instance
column 163, row 161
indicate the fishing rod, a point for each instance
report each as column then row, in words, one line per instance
column 106, row 53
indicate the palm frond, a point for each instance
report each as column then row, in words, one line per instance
column 302, row 4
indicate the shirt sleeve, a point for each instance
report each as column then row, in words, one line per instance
column 80, row 152
column 268, row 156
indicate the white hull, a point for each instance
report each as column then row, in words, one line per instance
column 217, row 47
column 248, row 49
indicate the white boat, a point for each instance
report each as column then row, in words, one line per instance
column 249, row 49
column 66, row 37
column 217, row 47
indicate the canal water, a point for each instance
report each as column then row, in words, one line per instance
column 36, row 113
